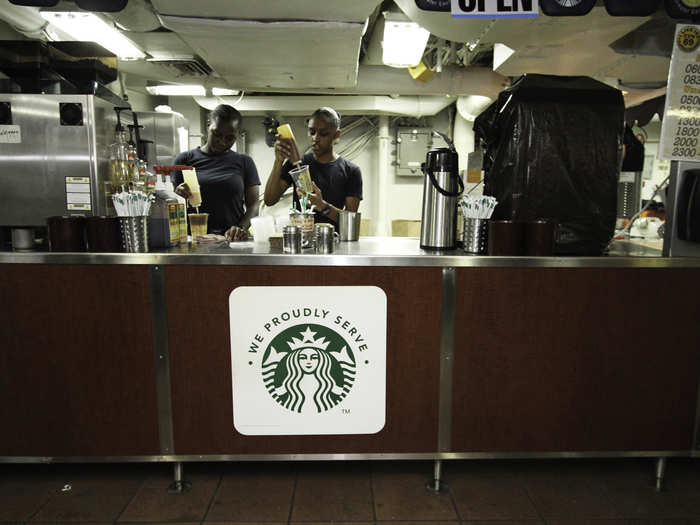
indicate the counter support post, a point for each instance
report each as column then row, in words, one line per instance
column 436, row 485
column 178, row 486
column 660, row 471
column 161, row 356
column 447, row 352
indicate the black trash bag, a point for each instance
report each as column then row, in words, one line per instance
column 552, row 150
column 633, row 158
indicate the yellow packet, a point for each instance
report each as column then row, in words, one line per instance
column 285, row 131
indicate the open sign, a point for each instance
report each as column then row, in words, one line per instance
column 495, row 8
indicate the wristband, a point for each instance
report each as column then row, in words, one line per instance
column 326, row 210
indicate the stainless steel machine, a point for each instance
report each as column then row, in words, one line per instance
column 57, row 122
column 682, row 228
column 54, row 157
column 164, row 135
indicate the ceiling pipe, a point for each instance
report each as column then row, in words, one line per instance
column 24, row 20
column 346, row 105
column 138, row 16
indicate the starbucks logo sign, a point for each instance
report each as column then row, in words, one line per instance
column 308, row 367
column 308, row 360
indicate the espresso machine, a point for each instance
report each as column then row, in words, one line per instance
column 442, row 187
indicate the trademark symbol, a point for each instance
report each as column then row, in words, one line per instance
column 346, row 411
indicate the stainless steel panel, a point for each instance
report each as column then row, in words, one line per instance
column 162, row 130
column 447, row 345
column 33, row 173
column 346, row 457
column 673, row 246
column 161, row 356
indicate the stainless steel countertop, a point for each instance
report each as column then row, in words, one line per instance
column 368, row 251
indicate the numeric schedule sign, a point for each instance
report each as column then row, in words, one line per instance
column 680, row 129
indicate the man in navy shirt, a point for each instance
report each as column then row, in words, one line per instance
column 228, row 180
column 337, row 182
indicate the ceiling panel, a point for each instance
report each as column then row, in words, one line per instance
column 338, row 10
column 275, row 54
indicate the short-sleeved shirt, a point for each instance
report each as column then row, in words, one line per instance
column 337, row 180
column 223, row 179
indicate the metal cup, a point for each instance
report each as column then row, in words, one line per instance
column 475, row 235
column 135, row 233
column 325, row 237
column 291, row 239
column 349, row 225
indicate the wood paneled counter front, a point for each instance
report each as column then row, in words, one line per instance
column 128, row 356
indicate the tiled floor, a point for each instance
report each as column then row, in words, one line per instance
column 533, row 492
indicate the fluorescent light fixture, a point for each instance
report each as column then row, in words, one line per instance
column 222, row 92
column 177, row 90
column 87, row 27
column 404, row 42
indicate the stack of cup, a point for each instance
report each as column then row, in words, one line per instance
column 66, row 233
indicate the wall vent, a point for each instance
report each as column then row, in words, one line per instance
column 185, row 66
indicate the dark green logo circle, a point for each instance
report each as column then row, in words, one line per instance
column 308, row 367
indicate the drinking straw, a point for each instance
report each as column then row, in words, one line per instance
column 132, row 204
column 478, row 207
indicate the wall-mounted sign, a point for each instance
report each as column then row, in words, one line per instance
column 680, row 128
column 78, row 193
column 308, row 359
column 495, row 8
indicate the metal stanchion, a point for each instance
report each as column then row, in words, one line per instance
column 660, row 471
column 178, row 486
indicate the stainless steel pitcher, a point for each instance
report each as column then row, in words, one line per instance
column 441, row 188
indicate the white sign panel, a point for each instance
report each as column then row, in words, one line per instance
column 680, row 129
column 10, row 134
column 495, row 8
column 78, row 193
column 308, row 360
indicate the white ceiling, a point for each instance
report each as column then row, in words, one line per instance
column 551, row 45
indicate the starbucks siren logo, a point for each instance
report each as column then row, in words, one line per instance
column 308, row 367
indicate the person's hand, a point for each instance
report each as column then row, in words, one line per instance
column 286, row 149
column 316, row 198
column 234, row 233
column 183, row 190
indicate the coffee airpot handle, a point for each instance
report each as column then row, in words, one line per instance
column 442, row 191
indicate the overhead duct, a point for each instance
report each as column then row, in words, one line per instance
column 28, row 21
column 471, row 107
column 380, row 80
column 294, row 106
column 137, row 16
column 451, row 81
